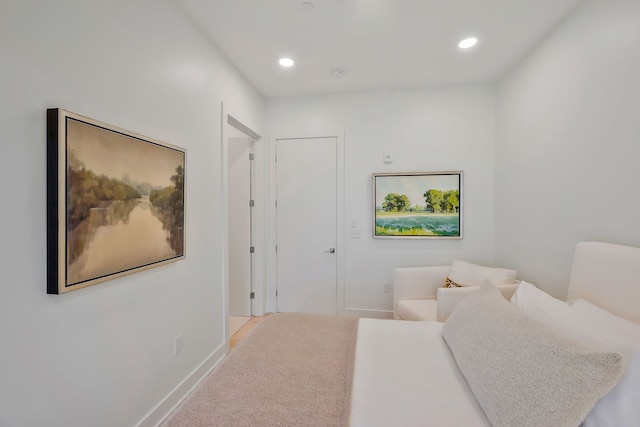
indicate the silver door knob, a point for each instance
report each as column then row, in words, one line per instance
column 331, row 250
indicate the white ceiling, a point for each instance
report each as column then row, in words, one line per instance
column 380, row 44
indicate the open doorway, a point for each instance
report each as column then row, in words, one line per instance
column 240, row 231
column 239, row 157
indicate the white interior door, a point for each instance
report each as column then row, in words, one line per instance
column 306, row 225
column 239, row 214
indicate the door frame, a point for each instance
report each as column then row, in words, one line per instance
column 271, row 273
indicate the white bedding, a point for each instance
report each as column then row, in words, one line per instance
column 406, row 375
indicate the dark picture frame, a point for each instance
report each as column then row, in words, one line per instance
column 115, row 202
column 418, row 205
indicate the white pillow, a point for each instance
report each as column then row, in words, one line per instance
column 607, row 319
column 590, row 326
column 556, row 314
column 467, row 274
column 625, row 397
column 597, row 330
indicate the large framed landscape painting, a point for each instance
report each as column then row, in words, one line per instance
column 417, row 205
column 115, row 202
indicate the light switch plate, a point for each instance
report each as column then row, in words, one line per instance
column 177, row 344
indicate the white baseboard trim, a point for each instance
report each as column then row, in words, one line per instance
column 375, row 314
column 182, row 390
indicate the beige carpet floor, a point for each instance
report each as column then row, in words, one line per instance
column 292, row 370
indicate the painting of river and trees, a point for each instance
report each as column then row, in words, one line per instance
column 418, row 205
column 117, row 199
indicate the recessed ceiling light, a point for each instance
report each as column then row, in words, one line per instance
column 337, row 73
column 468, row 42
column 286, row 62
column 307, row 6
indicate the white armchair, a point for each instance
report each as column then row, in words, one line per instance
column 418, row 292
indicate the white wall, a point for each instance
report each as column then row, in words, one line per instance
column 568, row 144
column 439, row 129
column 103, row 356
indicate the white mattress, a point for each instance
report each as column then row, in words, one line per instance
column 405, row 375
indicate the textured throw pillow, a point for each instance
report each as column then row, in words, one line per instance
column 595, row 327
column 521, row 373
column 467, row 274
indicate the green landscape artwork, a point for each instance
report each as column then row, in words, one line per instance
column 418, row 205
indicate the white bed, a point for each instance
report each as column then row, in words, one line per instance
column 394, row 383
column 535, row 361
column 405, row 373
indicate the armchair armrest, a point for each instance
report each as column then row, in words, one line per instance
column 448, row 298
column 417, row 282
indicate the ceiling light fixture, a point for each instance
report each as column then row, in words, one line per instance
column 337, row 73
column 286, row 62
column 468, row 42
column 307, row 6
